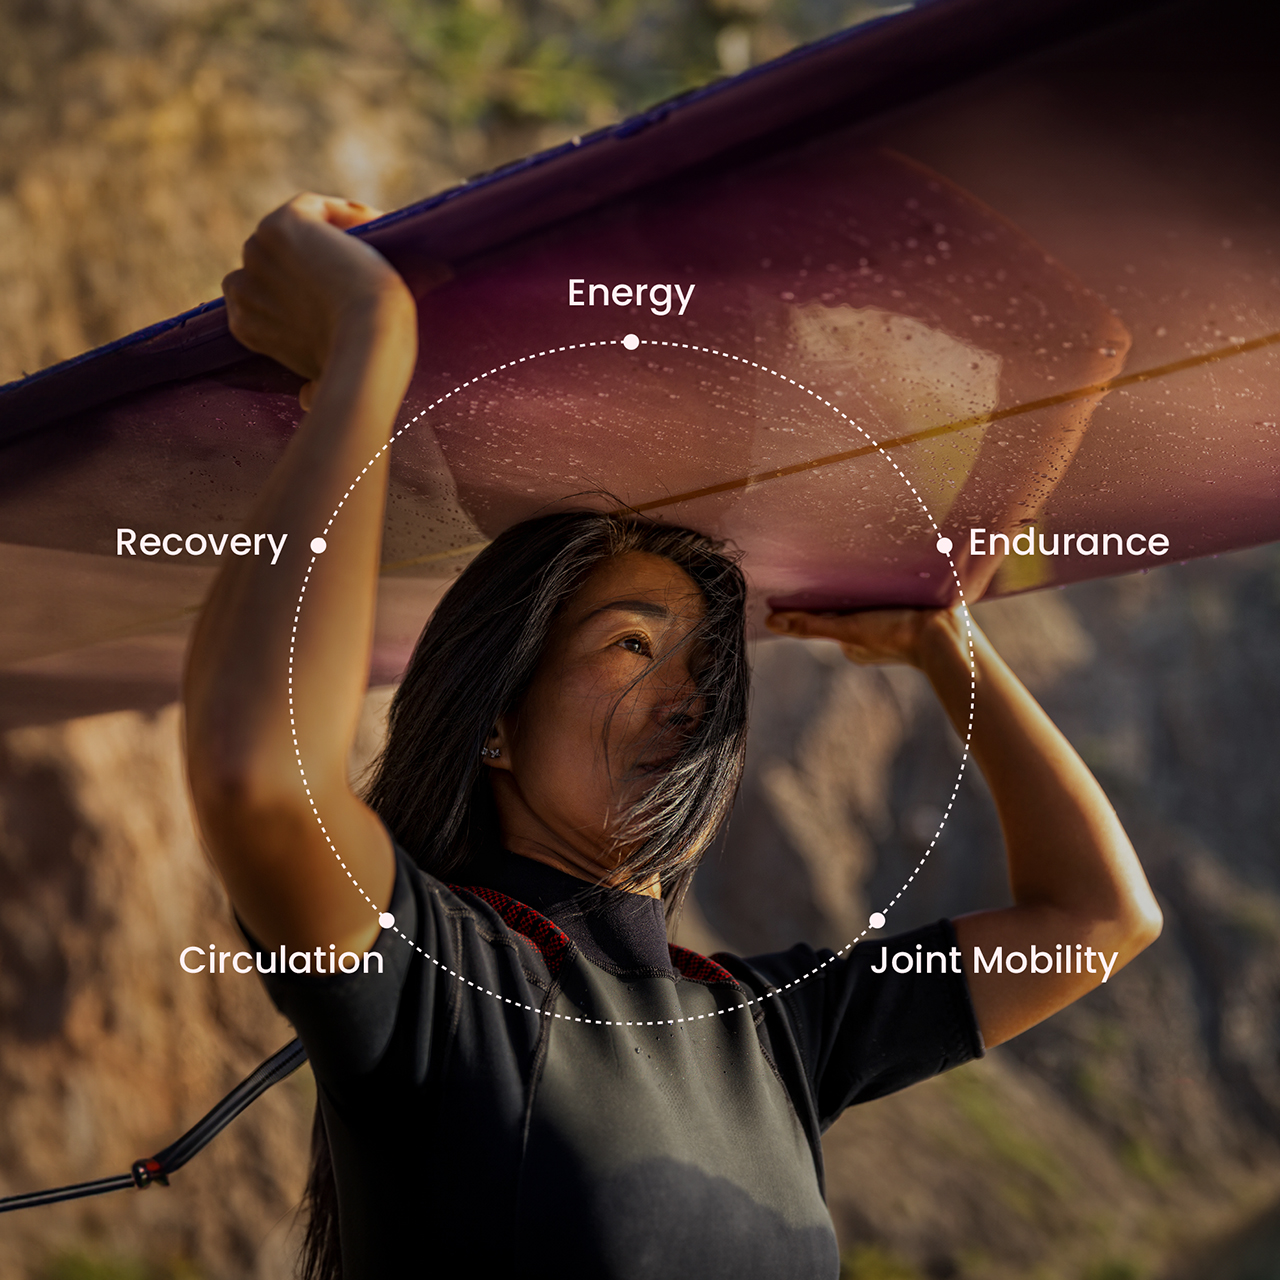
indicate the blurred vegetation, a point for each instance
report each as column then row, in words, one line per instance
column 1114, row 1270
column 592, row 61
column 488, row 64
column 871, row 1262
column 1031, row 1168
column 85, row 1266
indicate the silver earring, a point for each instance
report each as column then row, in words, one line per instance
column 490, row 753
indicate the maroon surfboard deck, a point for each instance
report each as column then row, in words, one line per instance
column 898, row 296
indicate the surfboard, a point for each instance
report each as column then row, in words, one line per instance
column 946, row 276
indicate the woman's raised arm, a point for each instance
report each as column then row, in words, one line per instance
column 333, row 310
column 1074, row 875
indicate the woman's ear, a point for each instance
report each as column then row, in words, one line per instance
column 496, row 751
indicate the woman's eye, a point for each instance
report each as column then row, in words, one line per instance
column 635, row 644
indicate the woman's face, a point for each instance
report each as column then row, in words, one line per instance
column 622, row 641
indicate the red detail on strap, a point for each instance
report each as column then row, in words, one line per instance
column 145, row 1172
column 551, row 942
column 697, row 968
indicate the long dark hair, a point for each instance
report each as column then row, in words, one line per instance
column 473, row 664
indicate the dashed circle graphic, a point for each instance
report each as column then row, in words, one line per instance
column 631, row 342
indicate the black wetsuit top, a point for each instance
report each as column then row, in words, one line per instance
column 537, row 1089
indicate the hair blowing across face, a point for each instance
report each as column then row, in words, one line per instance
column 472, row 665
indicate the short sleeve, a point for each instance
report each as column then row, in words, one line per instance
column 861, row 1034
column 346, row 1019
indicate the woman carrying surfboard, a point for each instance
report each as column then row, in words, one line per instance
column 529, row 1076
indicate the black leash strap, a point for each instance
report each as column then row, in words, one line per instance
column 158, row 1167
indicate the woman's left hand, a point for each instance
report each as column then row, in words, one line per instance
column 871, row 636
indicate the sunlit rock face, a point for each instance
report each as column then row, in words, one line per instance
column 108, row 1050
column 1148, row 1112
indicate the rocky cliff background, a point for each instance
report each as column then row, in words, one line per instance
column 1135, row 1135
column 1132, row 1134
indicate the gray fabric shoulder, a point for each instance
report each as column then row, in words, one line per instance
column 346, row 1019
column 862, row 1034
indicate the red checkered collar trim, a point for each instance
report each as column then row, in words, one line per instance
column 689, row 964
column 552, row 943
column 546, row 937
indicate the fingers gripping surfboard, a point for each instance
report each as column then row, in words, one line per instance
column 909, row 283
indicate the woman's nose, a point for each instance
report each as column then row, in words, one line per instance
column 679, row 713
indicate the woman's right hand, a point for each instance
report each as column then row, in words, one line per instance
column 303, row 278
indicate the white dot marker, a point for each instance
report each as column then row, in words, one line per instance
column 319, row 545
column 631, row 342
column 386, row 920
column 945, row 545
column 876, row 921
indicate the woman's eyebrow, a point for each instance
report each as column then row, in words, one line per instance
column 647, row 607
